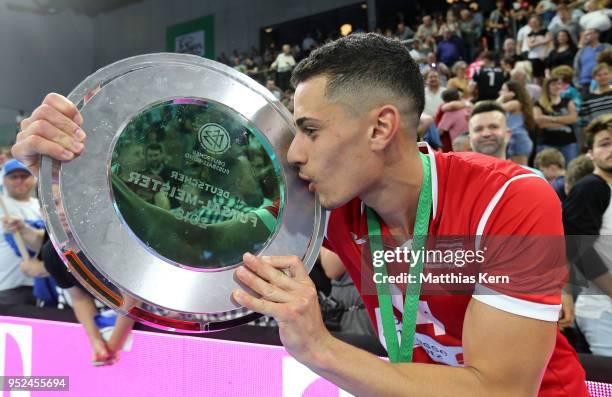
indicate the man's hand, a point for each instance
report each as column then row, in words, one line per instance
column 33, row 268
column 291, row 299
column 12, row 225
column 53, row 129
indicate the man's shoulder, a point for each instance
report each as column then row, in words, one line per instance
column 591, row 183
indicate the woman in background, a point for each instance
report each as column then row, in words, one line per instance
column 556, row 118
column 516, row 102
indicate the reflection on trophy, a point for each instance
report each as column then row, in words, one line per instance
column 185, row 171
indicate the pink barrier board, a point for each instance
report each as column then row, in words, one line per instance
column 158, row 365
column 161, row 365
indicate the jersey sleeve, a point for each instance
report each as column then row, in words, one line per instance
column 525, row 266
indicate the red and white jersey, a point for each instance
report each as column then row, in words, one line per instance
column 472, row 195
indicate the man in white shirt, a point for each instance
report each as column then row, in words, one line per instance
column 23, row 212
column 433, row 91
column 283, row 65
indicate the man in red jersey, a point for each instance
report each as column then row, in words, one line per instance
column 357, row 106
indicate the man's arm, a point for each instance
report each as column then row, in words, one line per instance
column 33, row 268
column 331, row 263
column 505, row 354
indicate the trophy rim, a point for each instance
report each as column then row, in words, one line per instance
column 262, row 109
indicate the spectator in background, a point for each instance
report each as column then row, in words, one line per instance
column 521, row 41
column 552, row 164
column 566, row 74
column 519, row 74
column 470, row 32
column 283, row 64
column 451, row 24
column 403, row 32
column 509, row 48
column 453, row 122
column 489, row 132
column 427, row 29
column 597, row 17
column 448, row 50
column 16, row 287
column 487, row 81
column 5, row 155
column 599, row 102
column 519, row 117
column 416, row 54
column 462, row 144
column 271, row 86
column 586, row 59
column 563, row 21
column 308, row 43
column 433, row 91
column 577, row 169
column 587, row 218
column 563, row 52
column 238, row 65
column 459, row 80
column 556, row 118
column 498, row 24
column 538, row 41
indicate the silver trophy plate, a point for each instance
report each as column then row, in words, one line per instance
column 185, row 169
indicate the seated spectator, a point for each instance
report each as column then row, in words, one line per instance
column 556, row 118
column 552, row 164
column 577, row 169
column 587, row 218
column 459, row 80
column 509, row 48
column 566, row 73
column 428, row 132
column 599, row 102
column 519, row 115
column 433, row 91
column 403, row 32
column 418, row 56
column 271, row 86
column 427, row 29
column 453, row 122
column 448, row 50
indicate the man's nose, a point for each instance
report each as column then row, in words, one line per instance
column 296, row 155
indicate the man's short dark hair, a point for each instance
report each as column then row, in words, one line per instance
column 489, row 56
column 358, row 63
column 487, row 106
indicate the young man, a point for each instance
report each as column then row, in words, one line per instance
column 356, row 147
column 489, row 132
column 587, row 217
column 488, row 80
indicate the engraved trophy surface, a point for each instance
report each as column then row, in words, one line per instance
column 185, row 169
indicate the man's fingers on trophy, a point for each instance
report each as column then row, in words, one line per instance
column 267, row 291
column 276, row 276
column 63, row 105
column 46, row 130
column 29, row 147
column 291, row 263
column 53, row 116
column 256, row 304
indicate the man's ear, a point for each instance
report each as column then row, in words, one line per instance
column 385, row 125
column 589, row 154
